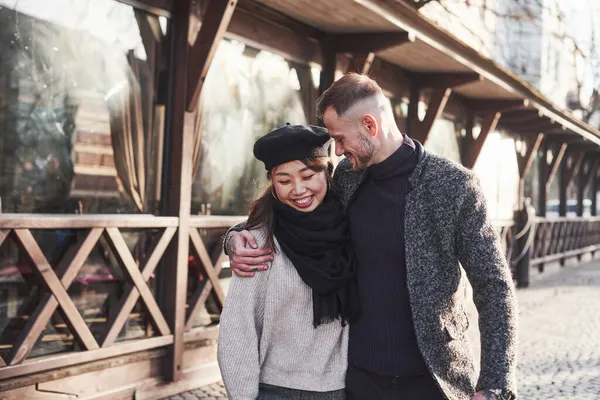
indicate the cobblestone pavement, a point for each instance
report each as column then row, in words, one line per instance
column 559, row 338
column 215, row 391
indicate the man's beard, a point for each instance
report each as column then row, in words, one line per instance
column 366, row 153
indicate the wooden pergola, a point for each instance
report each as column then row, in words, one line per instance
column 412, row 59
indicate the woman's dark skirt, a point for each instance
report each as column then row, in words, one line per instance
column 270, row 392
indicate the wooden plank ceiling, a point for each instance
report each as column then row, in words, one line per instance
column 337, row 16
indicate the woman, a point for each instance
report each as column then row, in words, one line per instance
column 284, row 333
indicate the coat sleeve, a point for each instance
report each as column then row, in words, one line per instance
column 237, row 228
column 240, row 331
column 481, row 256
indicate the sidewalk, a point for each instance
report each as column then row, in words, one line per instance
column 559, row 337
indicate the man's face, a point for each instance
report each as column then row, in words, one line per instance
column 349, row 140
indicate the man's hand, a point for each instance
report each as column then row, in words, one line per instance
column 484, row 395
column 244, row 256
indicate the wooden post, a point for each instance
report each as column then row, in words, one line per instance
column 471, row 147
column 594, row 190
column 412, row 115
column 522, row 268
column 543, row 173
column 308, row 92
column 567, row 173
column 524, row 160
column 177, row 183
column 582, row 181
column 562, row 189
column 327, row 76
column 361, row 63
column 418, row 129
column 214, row 24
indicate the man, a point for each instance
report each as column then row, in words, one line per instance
column 414, row 217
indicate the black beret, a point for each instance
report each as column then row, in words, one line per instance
column 291, row 142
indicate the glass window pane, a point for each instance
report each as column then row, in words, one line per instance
column 80, row 127
column 246, row 94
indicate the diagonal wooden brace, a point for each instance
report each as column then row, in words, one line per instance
column 131, row 294
column 214, row 26
column 67, row 271
column 118, row 245
column 200, row 250
column 58, row 289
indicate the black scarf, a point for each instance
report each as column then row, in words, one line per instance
column 318, row 245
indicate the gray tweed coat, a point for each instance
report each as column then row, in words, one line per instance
column 446, row 224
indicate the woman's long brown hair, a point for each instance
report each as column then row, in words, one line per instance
column 261, row 213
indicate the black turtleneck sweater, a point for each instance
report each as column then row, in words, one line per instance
column 383, row 340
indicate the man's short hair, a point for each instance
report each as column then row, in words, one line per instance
column 346, row 92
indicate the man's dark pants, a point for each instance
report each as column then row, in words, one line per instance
column 366, row 385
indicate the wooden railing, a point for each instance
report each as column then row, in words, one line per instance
column 57, row 277
column 560, row 238
column 505, row 228
column 554, row 239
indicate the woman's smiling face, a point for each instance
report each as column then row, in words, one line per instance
column 299, row 186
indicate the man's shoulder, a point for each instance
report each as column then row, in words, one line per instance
column 443, row 172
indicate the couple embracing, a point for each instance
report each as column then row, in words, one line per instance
column 349, row 285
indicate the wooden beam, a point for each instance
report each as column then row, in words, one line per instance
column 308, row 92
column 66, row 272
column 266, row 14
column 214, row 25
column 58, row 362
column 524, row 161
column 543, row 173
column 566, row 177
column 471, row 147
column 55, row 221
column 131, row 295
column 3, row 235
column 484, row 106
column 594, row 190
column 361, row 63
column 553, row 136
column 158, row 7
column 445, row 80
column 583, row 147
column 555, row 164
column 178, row 175
column 533, row 127
column 200, row 250
column 521, row 116
column 263, row 28
column 583, row 179
column 328, row 67
column 200, row 296
column 127, row 262
column 391, row 78
column 418, row 129
column 73, row 318
column 367, row 42
column 578, row 157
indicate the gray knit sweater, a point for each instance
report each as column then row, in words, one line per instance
column 266, row 335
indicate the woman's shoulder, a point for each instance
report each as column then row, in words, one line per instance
column 260, row 234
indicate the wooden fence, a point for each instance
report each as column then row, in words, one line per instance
column 206, row 259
